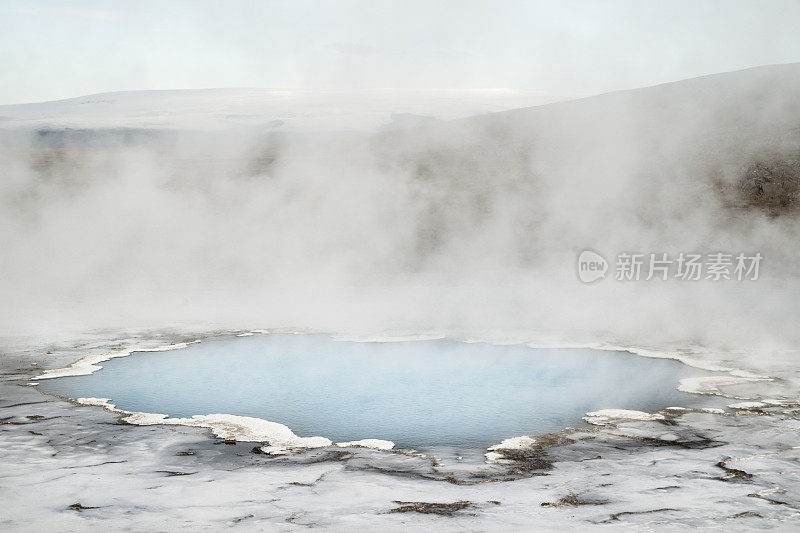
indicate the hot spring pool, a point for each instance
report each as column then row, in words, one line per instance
column 414, row 393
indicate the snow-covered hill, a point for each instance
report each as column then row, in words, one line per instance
column 264, row 109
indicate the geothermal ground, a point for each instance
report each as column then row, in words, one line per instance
column 72, row 467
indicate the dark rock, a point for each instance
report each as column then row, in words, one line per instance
column 772, row 184
column 175, row 473
column 573, row 500
column 441, row 509
column 733, row 474
column 78, row 507
column 614, row 517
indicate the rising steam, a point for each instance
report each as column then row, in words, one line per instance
column 465, row 225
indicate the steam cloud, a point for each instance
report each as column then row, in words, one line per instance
column 465, row 225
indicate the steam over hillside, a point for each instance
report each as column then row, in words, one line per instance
column 446, row 225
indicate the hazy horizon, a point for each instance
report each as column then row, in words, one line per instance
column 547, row 98
column 561, row 49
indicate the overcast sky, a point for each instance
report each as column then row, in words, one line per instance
column 52, row 50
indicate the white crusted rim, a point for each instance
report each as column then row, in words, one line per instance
column 89, row 364
column 610, row 416
column 241, row 428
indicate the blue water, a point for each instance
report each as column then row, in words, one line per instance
column 415, row 393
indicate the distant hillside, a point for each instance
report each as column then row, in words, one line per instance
column 672, row 139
